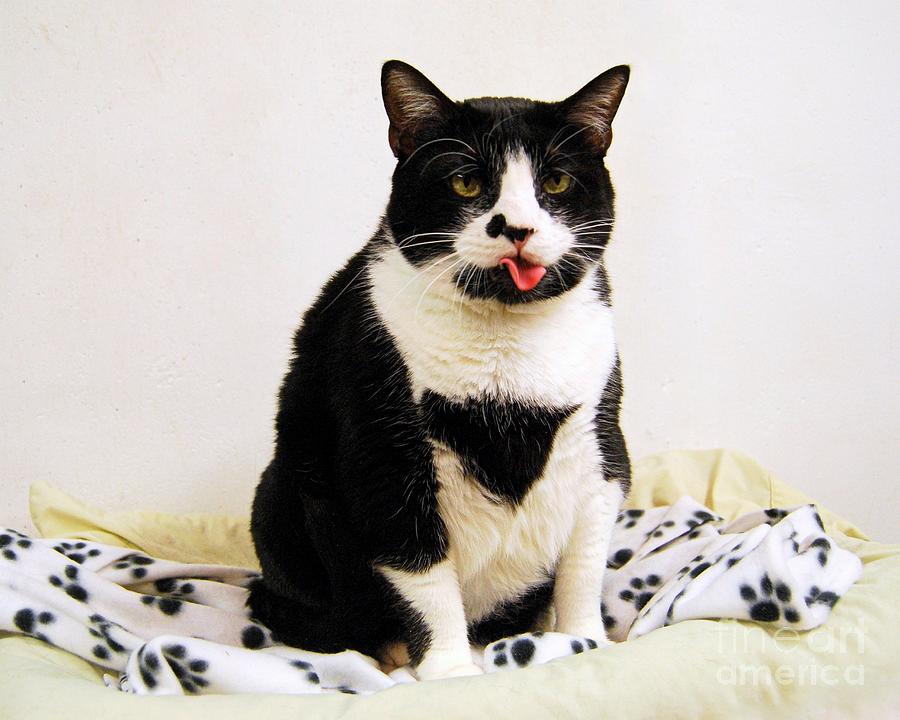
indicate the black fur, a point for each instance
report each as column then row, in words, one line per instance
column 352, row 483
column 504, row 445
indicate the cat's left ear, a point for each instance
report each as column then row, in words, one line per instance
column 595, row 105
column 414, row 106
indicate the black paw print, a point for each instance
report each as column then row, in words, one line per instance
column 33, row 623
column 659, row 532
column 700, row 517
column 629, row 517
column 136, row 563
column 521, row 650
column 173, row 586
column 579, row 647
column 824, row 548
column 768, row 603
column 311, row 674
column 641, row 590
column 166, row 605
column 822, row 598
column 70, row 586
column 253, row 637
column 734, row 559
column 817, row 518
column 76, row 552
column 189, row 671
column 697, row 569
column 619, row 558
column 609, row 622
column 11, row 542
column 773, row 515
column 102, row 631
column 792, row 539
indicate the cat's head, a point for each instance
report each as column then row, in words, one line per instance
column 505, row 198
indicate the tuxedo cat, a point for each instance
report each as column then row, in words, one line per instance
column 448, row 461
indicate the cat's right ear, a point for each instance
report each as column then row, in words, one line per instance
column 414, row 106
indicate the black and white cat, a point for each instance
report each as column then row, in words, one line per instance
column 449, row 462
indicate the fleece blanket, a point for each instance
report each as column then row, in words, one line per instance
column 172, row 628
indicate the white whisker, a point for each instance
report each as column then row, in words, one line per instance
column 444, row 154
column 431, row 142
column 427, row 242
column 352, row 280
column 416, row 276
column 436, row 278
column 577, row 132
column 425, row 234
column 592, row 223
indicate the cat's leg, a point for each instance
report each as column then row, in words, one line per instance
column 579, row 575
column 438, row 640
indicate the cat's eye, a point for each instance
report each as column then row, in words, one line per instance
column 466, row 186
column 556, row 184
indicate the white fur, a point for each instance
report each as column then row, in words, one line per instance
column 581, row 566
column 435, row 594
column 557, row 352
column 518, row 204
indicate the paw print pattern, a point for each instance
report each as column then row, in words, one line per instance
column 769, row 601
column 189, row 671
column 629, row 518
column 641, row 590
column 579, row 647
column 824, row 548
column 304, row 666
column 174, row 586
column 619, row 558
column 700, row 517
column 70, row 585
column 609, row 622
column 253, row 637
column 166, row 605
column 12, row 544
column 76, row 552
column 520, row 650
column 101, row 629
column 34, row 623
column 773, row 515
column 135, row 563
column 815, row 595
column 661, row 529
column 734, row 559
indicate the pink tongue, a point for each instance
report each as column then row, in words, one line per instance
column 525, row 275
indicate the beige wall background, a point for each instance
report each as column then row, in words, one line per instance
column 178, row 179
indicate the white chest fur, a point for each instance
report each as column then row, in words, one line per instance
column 554, row 353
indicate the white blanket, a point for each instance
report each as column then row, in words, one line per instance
column 173, row 628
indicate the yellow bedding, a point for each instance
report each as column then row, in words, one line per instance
column 849, row 667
